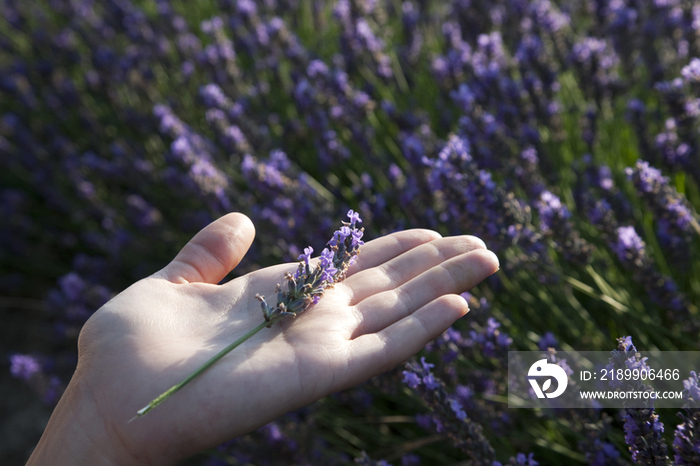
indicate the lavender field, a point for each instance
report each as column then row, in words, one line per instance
column 565, row 134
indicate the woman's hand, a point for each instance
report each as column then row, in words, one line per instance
column 402, row 292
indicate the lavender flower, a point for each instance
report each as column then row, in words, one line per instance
column 521, row 459
column 686, row 438
column 307, row 285
column 643, row 435
column 365, row 460
column 491, row 341
column 359, row 39
column 643, row 429
column 285, row 197
column 24, row 366
column 596, row 426
column 194, row 153
column 676, row 221
column 596, row 62
column 630, row 249
column 548, row 340
column 691, row 389
column 691, row 72
column 629, row 245
column 448, row 413
column 554, row 220
column 473, row 199
column 28, row 368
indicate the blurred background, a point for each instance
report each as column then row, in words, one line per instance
column 563, row 133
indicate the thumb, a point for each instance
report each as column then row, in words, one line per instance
column 213, row 252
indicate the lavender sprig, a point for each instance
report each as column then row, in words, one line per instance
column 307, row 284
column 305, row 287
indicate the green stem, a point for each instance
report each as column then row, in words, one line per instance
column 170, row 392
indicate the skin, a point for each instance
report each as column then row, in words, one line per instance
column 402, row 292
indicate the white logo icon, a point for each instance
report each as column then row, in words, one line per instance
column 544, row 369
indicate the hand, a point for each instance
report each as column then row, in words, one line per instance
column 401, row 293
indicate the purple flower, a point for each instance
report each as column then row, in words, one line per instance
column 411, row 379
column 307, row 255
column 643, row 435
column 213, row 96
column 326, row 258
column 526, row 460
column 307, row 284
column 340, row 235
column 456, row 407
column 649, row 177
column 430, row 382
column 328, row 273
column 530, row 155
column 72, row 286
column 24, row 366
column 357, row 238
column 643, row 429
column 551, row 209
column 548, row 341
column 354, row 218
column 691, row 72
column 686, row 439
column 448, row 414
column 691, row 388
column 246, row 7
column 628, row 241
column 54, row 389
column 316, row 67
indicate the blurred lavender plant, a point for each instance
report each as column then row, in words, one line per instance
column 448, row 413
column 643, row 429
column 127, row 126
column 686, row 438
column 676, row 221
column 38, row 375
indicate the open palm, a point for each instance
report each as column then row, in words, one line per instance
column 401, row 292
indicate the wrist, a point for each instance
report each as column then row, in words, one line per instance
column 78, row 435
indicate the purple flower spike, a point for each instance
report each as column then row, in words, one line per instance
column 686, row 441
column 354, row 217
column 628, row 241
column 23, row 366
column 448, row 413
column 456, row 407
column 691, row 72
column 643, row 429
column 307, row 284
column 692, row 388
column 411, row 379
